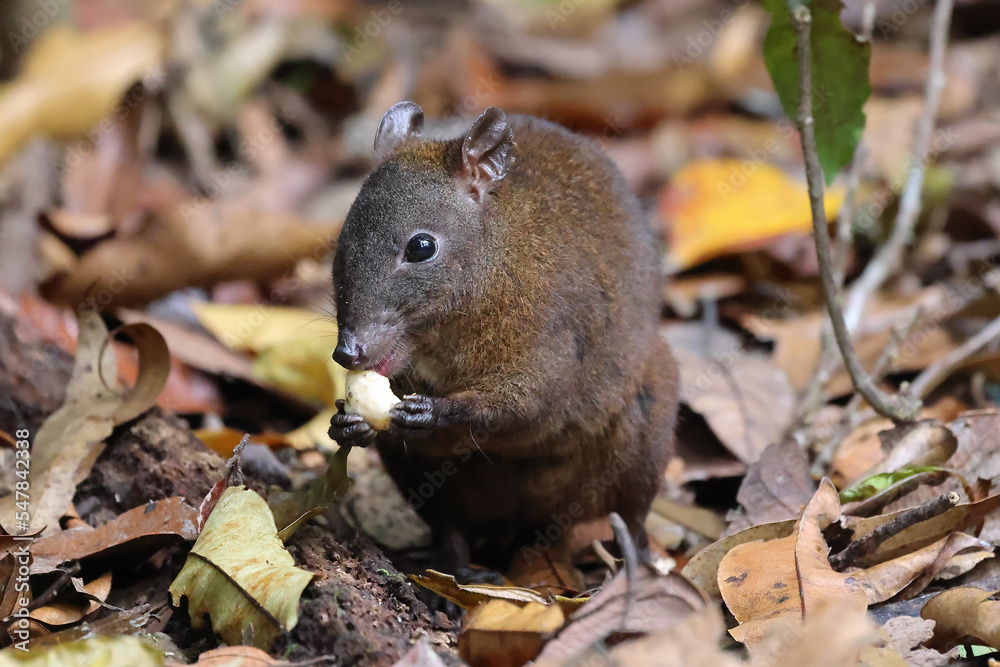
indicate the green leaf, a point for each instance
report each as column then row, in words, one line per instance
column 867, row 488
column 840, row 84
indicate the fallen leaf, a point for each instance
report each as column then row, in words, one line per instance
column 223, row 440
column 71, row 81
column 71, row 439
column 962, row 615
column 150, row 526
column 797, row 339
column 835, row 634
column 978, row 450
column 294, row 347
column 699, row 519
column 240, row 575
column 703, row 569
column 503, row 633
column 421, row 655
column 920, row 534
column 907, row 633
column 69, row 608
column 470, row 596
column 762, row 582
column 693, row 642
column 292, row 508
column 232, row 656
column 715, row 207
column 650, row 603
column 776, row 486
column 224, row 240
column 917, row 445
column 743, row 396
column 89, row 652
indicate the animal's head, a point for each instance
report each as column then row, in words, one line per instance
column 413, row 248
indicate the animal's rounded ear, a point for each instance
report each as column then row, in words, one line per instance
column 487, row 152
column 402, row 121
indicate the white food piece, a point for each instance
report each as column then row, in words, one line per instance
column 369, row 395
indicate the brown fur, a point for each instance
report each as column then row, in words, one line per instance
column 559, row 396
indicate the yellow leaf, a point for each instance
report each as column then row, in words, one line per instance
column 294, row 347
column 240, row 574
column 72, row 81
column 500, row 630
column 90, row 652
column 715, row 207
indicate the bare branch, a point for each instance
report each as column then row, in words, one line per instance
column 937, row 372
column 898, row 407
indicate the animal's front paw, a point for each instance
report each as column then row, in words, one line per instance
column 415, row 414
column 350, row 430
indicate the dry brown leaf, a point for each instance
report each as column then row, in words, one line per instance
column 503, row 633
column 223, row 241
column 797, row 339
column 703, row 569
column 232, row 656
column 470, row 596
column 196, row 349
column 764, row 581
column 978, row 452
column 836, row 633
column 962, row 614
column 743, row 396
column 699, row 519
column 421, row 655
column 924, row 443
column 907, row 633
column 888, row 133
column 651, row 603
column 920, row 534
column 71, row 439
column 69, row 609
column 862, row 449
column 153, row 523
column 693, row 642
column 776, row 486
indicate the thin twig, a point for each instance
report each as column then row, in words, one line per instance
column 897, row 406
column 937, row 372
column 631, row 557
column 890, row 256
column 855, row 553
column 829, row 357
column 882, row 366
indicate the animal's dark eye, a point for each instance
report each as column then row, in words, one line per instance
column 420, row 248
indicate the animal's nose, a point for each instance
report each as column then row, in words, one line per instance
column 349, row 353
